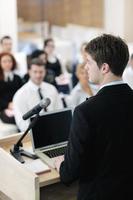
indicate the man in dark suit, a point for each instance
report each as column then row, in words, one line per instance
column 100, row 147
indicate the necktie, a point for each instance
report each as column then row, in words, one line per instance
column 41, row 97
column 40, row 94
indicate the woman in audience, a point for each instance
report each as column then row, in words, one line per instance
column 81, row 59
column 83, row 90
column 9, row 84
column 53, row 65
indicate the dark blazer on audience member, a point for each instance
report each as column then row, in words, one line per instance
column 7, row 91
column 100, row 148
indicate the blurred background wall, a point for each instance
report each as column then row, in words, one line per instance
column 61, row 12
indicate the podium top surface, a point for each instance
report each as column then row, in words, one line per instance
column 45, row 178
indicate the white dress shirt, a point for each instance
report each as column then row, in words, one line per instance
column 8, row 75
column 78, row 95
column 27, row 97
column 128, row 76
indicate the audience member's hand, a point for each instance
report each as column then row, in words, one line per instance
column 9, row 112
column 58, row 162
column 84, row 83
column 85, row 86
column 10, row 106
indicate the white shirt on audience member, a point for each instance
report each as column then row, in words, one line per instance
column 27, row 97
column 8, row 75
column 128, row 76
column 78, row 95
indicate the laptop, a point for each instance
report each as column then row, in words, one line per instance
column 50, row 135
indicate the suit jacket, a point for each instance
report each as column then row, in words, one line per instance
column 7, row 91
column 100, row 147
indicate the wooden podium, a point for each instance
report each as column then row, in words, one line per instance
column 17, row 182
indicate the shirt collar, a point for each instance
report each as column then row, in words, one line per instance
column 117, row 82
column 93, row 86
column 9, row 75
column 34, row 86
column 78, row 86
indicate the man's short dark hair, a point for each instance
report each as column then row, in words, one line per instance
column 47, row 41
column 36, row 61
column 111, row 50
column 4, row 38
column 37, row 53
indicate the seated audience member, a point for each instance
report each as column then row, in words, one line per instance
column 42, row 55
column 83, row 90
column 35, row 54
column 53, row 65
column 80, row 60
column 32, row 93
column 128, row 73
column 6, row 44
column 9, row 84
column 20, row 57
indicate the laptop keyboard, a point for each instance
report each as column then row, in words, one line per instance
column 55, row 152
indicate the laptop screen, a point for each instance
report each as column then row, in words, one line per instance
column 52, row 128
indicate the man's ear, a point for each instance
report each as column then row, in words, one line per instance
column 105, row 68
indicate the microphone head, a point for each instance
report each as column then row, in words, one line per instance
column 45, row 102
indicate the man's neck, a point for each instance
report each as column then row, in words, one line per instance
column 110, row 79
column 36, row 84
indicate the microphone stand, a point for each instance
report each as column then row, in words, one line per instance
column 16, row 151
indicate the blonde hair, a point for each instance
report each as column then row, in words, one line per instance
column 81, row 67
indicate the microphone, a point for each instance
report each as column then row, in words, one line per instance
column 44, row 103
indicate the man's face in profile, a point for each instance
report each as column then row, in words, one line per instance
column 92, row 70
